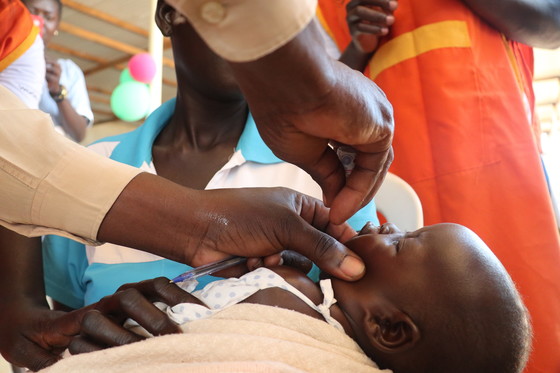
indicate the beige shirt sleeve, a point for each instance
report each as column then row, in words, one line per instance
column 245, row 30
column 49, row 184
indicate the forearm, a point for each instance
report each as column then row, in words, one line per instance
column 73, row 123
column 21, row 269
column 532, row 22
column 354, row 58
column 310, row 73
column 154, row 215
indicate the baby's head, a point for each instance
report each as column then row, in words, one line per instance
column 434, row 300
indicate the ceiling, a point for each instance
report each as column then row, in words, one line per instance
column 101, row 36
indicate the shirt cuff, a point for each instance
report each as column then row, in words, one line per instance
column 77, row 194
column 246, row 30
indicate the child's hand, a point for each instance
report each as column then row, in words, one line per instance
column 368, row 20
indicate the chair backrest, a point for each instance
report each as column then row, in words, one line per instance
column 399, row 203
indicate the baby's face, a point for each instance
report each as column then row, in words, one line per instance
column 412, row 270
column 394, row 257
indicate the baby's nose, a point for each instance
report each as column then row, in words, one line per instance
column 388, row 228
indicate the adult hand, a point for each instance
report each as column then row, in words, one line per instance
column 102, row 324
column 368, row 20
column 53, row 75
column 261, row 222
column 31, row 335
column 199, row 227
column 34, row 336
column 265, row 221
column 303, row 101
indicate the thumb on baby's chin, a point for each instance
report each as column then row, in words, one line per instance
column 327, row 252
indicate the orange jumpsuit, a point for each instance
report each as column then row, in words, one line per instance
column 464, row 141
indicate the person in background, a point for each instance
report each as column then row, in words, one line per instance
column 461, row 84
column 65, row 96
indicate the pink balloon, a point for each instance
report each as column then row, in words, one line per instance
column 142, row 67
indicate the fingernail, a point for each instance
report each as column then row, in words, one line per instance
column 393, row 5
column 259, row 263
column 352, row 267
column 390, row 20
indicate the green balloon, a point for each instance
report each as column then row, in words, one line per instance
column 130, row 101
column 125, row 76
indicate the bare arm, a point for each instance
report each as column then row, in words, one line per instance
column 73, row 123
column 31, row 334
column 302, row 100
column 532, row 22
column 198, row 227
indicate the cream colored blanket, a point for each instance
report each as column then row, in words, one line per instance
column 242, row 338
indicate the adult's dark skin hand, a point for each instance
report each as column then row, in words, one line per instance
column 102, row 323
column 303, row 107
column 200, row 227
column 372, row 18
column 368, row 21
column 32, row 335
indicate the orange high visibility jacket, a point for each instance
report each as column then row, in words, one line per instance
column 17, row 32
column 463, row 140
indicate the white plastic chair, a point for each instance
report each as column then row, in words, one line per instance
column 399, row 203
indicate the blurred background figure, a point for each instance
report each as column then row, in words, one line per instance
column 65, row 95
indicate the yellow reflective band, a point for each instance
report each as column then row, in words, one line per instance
column 446, row 34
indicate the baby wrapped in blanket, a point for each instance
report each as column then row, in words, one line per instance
column 433, row 300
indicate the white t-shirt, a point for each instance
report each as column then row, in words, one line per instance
column 71, row 77
column 25, row 76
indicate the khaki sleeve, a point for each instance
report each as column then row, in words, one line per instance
column 245, row 30
column 49, row 184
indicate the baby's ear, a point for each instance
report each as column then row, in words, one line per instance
column 390, row 330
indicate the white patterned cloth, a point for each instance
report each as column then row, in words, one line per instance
column 221, row 294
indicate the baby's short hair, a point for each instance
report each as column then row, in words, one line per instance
column 485, row 343
column 486, row 334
